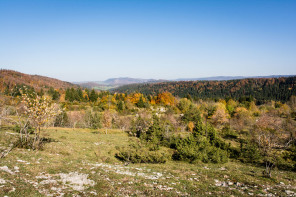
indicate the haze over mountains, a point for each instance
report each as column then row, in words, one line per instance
column 115, row 82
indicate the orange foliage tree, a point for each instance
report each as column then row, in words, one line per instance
column 165, row 98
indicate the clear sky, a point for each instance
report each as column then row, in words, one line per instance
column 91, row 40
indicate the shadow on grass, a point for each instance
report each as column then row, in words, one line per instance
column 30, row 143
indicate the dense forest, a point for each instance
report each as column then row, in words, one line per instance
column 261, row 89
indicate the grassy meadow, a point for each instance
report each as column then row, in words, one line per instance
column 81, row 162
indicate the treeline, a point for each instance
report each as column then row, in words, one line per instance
column 18, row 90
column 262, row 89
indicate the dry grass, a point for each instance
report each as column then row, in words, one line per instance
column 85, row 159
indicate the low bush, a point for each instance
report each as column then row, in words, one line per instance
column 249, row 152
column 139, row 153
column 195, row 149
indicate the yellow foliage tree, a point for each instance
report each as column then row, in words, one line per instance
column 165, row 98
column 190, row 126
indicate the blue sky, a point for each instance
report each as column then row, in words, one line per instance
column 88, row 40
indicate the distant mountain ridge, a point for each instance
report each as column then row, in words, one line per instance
column 115, row 82
column 122, row 81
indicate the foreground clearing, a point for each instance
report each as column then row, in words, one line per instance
column 81, row 162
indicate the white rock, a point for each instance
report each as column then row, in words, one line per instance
column 45, row 182
column 289, row 192
column 77, row 181
column 6, row 169
column 2, row 181
column 16, row 169
column 21, row 161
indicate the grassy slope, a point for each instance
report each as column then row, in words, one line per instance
column 92, row 153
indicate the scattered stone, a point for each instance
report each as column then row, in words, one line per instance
column 12, row 190
column 16, row 169
column 2, row 181
column 21, row 161
column 45, row 182
column 124, row 170
column 223, row 169
column 218, row 183
column 77, row 181
column 6, row 169
column 43, row 176
column 289, row 192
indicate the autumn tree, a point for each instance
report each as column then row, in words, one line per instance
column 39, row 111
column 75, row 117
column 242, row 119
column 184, row 104
column 135, row 97
column 165, row 98
column 268, row 134
column 190, row 126
column 107, row 120
column 220, row 116
column 123, row 122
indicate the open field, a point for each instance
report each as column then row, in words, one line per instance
column 81, row 162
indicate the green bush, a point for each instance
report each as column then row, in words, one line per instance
column 229, row 133
column 249, row 152
column 137, row 153
column 195, row 149
column 93, row 119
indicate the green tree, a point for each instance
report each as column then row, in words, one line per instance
column 192, row 114
column 93, row 96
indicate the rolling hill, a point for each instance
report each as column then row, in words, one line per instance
column 11, row 78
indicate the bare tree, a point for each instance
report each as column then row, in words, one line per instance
column 107, row 120
column 271, row 138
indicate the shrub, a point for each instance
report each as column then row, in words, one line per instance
column 229, row 133
column 92, row 120
column 138, row 153
column 249, row 152
column 62, row 120
column 194, row 149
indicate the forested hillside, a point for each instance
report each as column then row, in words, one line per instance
column 10, row 78
column 280, row 89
